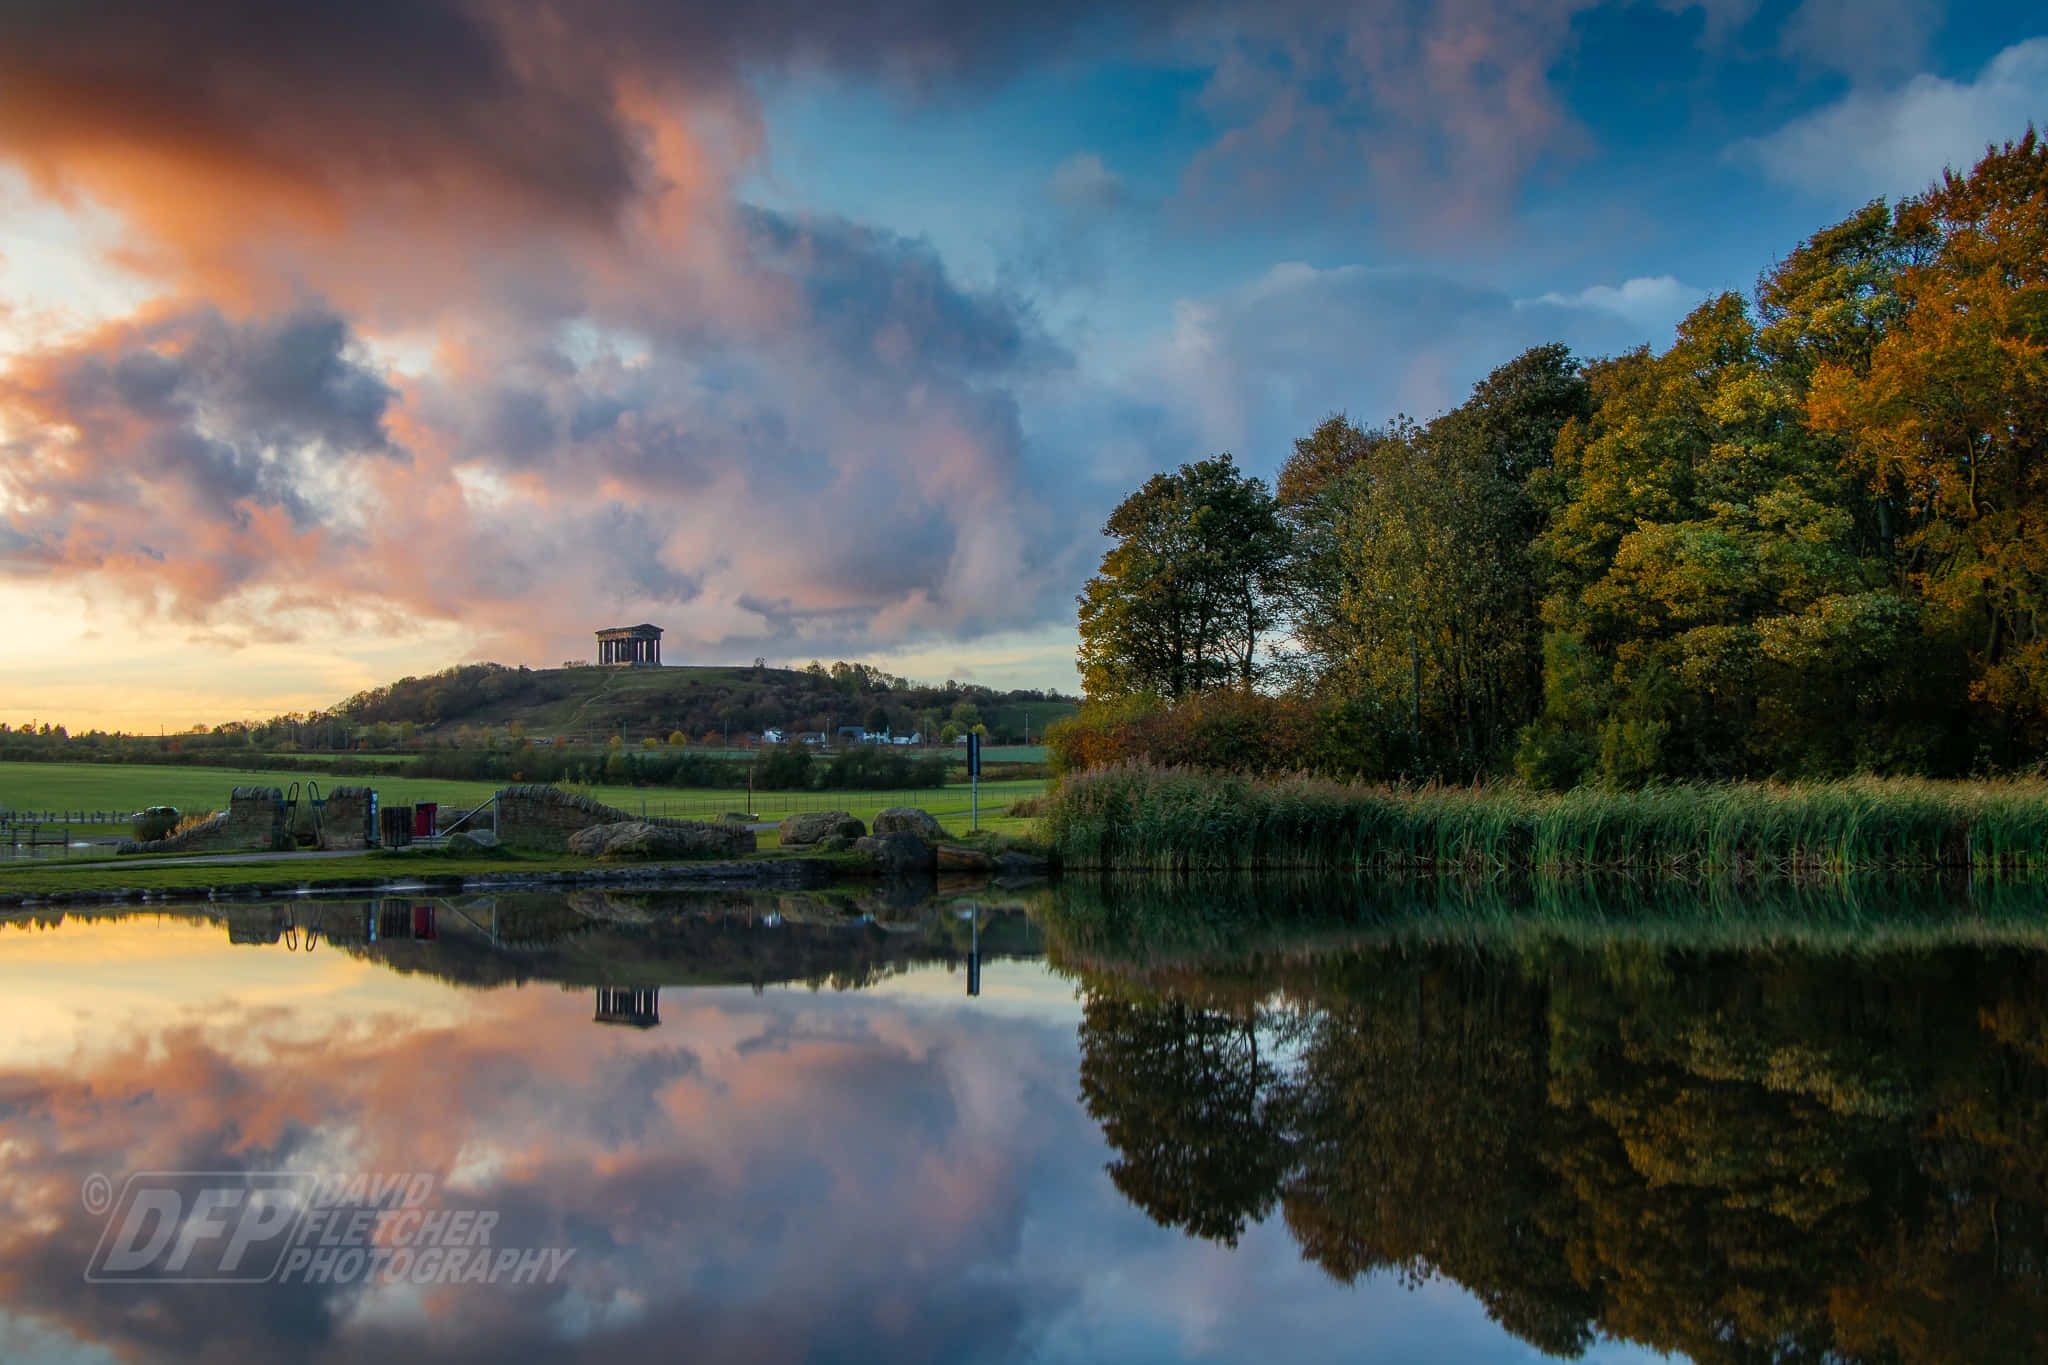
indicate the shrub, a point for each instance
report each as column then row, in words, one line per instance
column 1247, row 732
column 873, row 767
column 191, row 822
column 784, row 769
column 155, row 823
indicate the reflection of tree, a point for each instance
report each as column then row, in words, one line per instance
column 1769, row 1155
column 1185, row 1096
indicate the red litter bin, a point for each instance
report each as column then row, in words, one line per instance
column 423, row 818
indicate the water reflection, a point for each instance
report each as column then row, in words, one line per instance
column 1765, row 1140
column 1312, row 1122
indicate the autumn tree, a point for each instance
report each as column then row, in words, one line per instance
column 1947, row 412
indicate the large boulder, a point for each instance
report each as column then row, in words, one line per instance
column 910, row 820
column 955, row 858
column 898, row 854
column 814, row 825
column 474, row 840
column 674, row 839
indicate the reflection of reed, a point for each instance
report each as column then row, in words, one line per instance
column 1138, row 919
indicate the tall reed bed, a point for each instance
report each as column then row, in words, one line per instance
column 1140, row 818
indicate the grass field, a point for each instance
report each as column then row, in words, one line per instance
column 129, row 787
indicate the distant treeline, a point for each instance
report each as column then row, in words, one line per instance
column 19, row 746
column 862, row 767
column 1808, row 539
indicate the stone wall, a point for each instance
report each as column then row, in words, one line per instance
column 256, row 818
column 345, row 821
column 210, row 833
column 541, row 817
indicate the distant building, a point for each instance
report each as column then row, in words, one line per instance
column 629, row 645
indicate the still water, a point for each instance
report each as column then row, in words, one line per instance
column 1256, row 1123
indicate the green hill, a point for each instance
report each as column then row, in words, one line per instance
column 590, row 704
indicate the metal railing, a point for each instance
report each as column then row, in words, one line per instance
column 65, row 817
column 775, row 805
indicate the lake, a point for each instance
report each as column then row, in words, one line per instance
column 1245, row 1121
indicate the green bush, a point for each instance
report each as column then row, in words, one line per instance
column 155, row 823
column 876, row 767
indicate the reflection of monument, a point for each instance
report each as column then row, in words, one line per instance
column 633, row 1006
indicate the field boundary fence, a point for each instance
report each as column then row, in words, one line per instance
column 769, row 805
column 54, row 834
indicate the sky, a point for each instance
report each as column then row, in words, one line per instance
column 342, row 342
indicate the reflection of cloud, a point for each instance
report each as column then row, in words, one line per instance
column 887, row 1179
column 1873, row 142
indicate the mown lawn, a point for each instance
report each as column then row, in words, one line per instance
column 130, row 787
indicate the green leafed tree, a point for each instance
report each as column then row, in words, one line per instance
column 1186, row 598
column 1416, row 592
